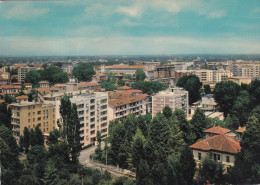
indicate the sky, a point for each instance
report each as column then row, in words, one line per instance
column 129, row 27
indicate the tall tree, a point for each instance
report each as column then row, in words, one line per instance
column 83, row 72
column 140, row 75
column 191, row 84
column 5, row 115
column 199, row 123
column 39, row 139
column 254, row 92
column 10, row 165
column 53, row 138
column 32, row 138
column 167, row 112
column 26, row 136
column 70, row 127
column 225, row 94
column 247, row 163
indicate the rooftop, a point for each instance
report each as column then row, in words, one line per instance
column 241, row 130
column 124, row 88
column 217, row 130
column 220, row 143
column 125, row 67
column 127, row 100
column 22, row 97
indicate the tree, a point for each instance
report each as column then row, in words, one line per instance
column 198, row 123
column 241, row 108
column 39, row 139
column 83, row 72
column 247, row 162
column 10, row 165
column 187, row 166
column 254, row 92
column 167, row 112
column 26, row 135
column 191, row 84
column 70, row 127
column 32, row 137
column 32, row 95
column 149, row 87
column 207, row 89
column 109, row 86
column 98, row 150
column 53, row 138
column 121, row 83
column 33, row 77
column 61, row 77
column 212, row 172
column 54, row 75
column 225, row 94
column 5, row 115
column 140, row 75
column 256, row 112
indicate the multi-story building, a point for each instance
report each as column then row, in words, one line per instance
column 22, row 72
column 124, row 69
column 245, row 70
column 30, row 114
column 92, row 111
column 121, row 106
column 164, row 71
column 205, row 75
column 175, row 98
column 221, row 75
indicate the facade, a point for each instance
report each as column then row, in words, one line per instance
column 30, row 114
column 246, row 70
column 92, row 111
column 175, row 98
column 5, row 75
column 205, row 75
column 221, row 75
column 99, row 77
column 9, row 90
column 44, row 84
column 89, row 85
column 124, row 69
column 119, row 108
column 4, row 82
column 164, row 71
column 241, row 79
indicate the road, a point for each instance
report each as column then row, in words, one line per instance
column 85, row 160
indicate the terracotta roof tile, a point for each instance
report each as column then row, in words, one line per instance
column 124, row 88
column 43, row 82
column 22, row 97
column 217, row 130
column 124, row 101
column 2, row 101
column 221, row 143
column 125, row 67
column 241, row 130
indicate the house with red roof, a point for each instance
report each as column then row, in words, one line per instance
column 220, row 145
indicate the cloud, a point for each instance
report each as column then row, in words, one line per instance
column 202, row 7
column 25, row 11
column 116, row 45
column 216, row 14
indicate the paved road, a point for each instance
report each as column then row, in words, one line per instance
column 85, row 160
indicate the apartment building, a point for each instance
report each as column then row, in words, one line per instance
column 246, row 70
column 221, row 75
column 30, row 114
column 93, row 115
column 205, row 75
column 175, row 98
column 164, row 71
column 121, row 106
column 124, row 69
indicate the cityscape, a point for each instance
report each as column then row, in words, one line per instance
column 129, row 93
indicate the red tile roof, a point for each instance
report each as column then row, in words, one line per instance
column 43, row 82
column 124, row 88
column 220, row 143
column 118, row 75
column 217, row 130
column 22, row 97
column 83, row 84
column 241, row 130
column 123, row 94
column 2, row 101
column 125, row 67
column 124, row 101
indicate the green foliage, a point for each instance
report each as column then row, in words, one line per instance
column 32, row 95
column 26, row 135
column 199, row 124
column 109, row 86
column 140, row 75
column 39, row 139
column 53, row 138
column 121, row 83
column 247, row 163
column 5, row 115
column 254, row 92
column 256, row 112
column 225, row 94
column 70, row 127
column 10, row 165
column 191, row 84
column 83, row 72
column 33, row 77
column 207, row 89
column 149, row 87
column 167, row 112
column 211, row 172
column 54, row 75
column 9, row 99
column 127, row 76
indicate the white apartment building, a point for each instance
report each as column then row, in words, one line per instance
column 23, row 70
column 175, row 98
column 246, row 70
column 204, row 75
column 221, row 75
column 93, row 115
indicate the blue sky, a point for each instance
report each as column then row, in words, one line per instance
column 128, row 27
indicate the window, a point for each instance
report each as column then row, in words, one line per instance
column 29, row 114
column 39, row 112
column 104, row 112
column 92, row 101
column 81, row 112
column 216, row 157
column 92, row 120
column 33, row 113
column 39, row 118
column 92, row 107
column 104, row 101
column 92, row 114
column 33, row 119
column 199, row 156
column 18, row 114
column 92, row 126
column 92, row 132
column 103, row 106
column 227, row 159
column 29, row 120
